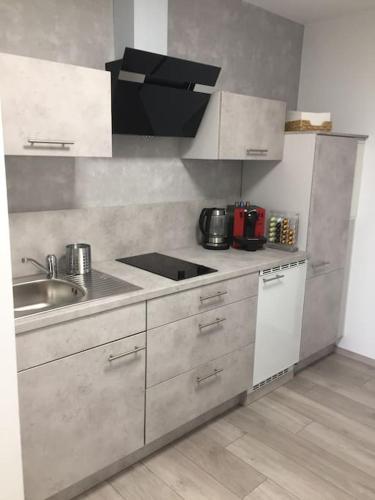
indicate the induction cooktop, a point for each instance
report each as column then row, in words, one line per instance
column 168, row 267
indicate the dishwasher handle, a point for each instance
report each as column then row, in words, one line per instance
column 277, row 277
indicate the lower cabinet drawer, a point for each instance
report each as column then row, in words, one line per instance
column 164, row 310
column 180, row 346
column 53, row 342
column 81, row 414
column 183, row 398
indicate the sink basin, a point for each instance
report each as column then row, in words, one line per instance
column 43, row 294
column 37, row 294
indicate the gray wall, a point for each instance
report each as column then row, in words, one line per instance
column 142, row 170
column 260, row 55
column 69, row 31
column 259, row 52
column 112, row 231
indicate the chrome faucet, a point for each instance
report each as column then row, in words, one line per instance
column 51, row 265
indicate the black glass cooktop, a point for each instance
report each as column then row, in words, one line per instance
column 168, row 267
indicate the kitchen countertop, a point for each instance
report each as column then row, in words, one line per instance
column 229, row 263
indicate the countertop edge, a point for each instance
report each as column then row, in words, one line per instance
column 77, row 311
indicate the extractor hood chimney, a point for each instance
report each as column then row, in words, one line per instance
column 140, row 24
column 152, row 93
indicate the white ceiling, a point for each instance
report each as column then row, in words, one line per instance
column 308, row 11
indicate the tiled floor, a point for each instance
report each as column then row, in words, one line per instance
column 311, row 439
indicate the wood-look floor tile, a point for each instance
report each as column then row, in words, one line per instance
column 186, row 478
column 226, row 468
column 370, row 385
column 139, row 483
column 361, row 394
column 342, row 446
column 338, row 371
column 312, row 439
column 220, row 431
column 270, row 491
column 325, row 416
column 325, row 465
column 280, row 414
column 300, row 385
column 289, row 474
column 354, row 365
column 317, row 376
column 102, row 492
column 342, row 404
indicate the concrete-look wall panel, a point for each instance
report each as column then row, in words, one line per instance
column 143, row 170
column 259, row 52
column 73, row 31
column 113, row 232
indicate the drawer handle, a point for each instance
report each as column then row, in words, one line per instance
column 216, row 322
column 277, row 277
column 49, row 142
column 217, row 294
column 256, row 152
column 128, row 353
column 213, row 374
column 320, row 264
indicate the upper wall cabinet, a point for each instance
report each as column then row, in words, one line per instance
column 239, row 127
column 54, row 109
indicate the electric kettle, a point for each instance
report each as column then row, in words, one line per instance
column 213, row 224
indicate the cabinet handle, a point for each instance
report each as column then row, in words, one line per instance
column 215, row 372
column 320, row 264
column 128, row 353
column 216, row 322
column 277, row 277
column 256, row 152
column 49, row 142
column 217, row 294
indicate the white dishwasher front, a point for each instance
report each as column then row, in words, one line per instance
column 279, row 320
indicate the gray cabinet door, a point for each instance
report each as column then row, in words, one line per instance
column 80, row 414
column 49, row 101
column 321, row 315
column 251, row 128
column 331, row 196
column 181, row 399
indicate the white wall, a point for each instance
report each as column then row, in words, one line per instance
column 338, row 75
column 11, row 482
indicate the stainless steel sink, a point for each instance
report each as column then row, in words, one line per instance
column 37, row 294
column 43, row 294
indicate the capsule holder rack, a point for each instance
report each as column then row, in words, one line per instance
column 282, row 230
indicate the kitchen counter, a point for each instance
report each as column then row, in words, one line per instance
column 229, row 263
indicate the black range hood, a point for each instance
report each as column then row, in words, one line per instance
column 162, row 101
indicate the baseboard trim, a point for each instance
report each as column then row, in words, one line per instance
column 266, row 389
column 317, row 356
column 355, row 356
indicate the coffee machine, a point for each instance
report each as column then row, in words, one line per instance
column 247, row 226
column 213, row 225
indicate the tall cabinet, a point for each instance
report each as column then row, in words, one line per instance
column 315, row 179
